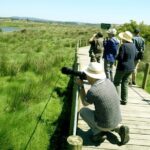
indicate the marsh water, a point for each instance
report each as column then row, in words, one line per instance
column 9, row 29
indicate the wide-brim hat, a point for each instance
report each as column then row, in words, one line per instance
column 127, row 36
column 95, row 70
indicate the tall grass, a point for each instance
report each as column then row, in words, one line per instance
column 30, row 64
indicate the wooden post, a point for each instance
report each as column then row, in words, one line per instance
column 146, row 73
column 74, row 142
column 87, row 42
column 80, row 43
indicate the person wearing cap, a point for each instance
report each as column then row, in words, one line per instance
column 96, row 48
column 125, row 65
column 106, row 116
column 140, row 45
column 111, row 46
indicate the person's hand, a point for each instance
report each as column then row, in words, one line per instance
column 92, row 38
column 79, row 82
column 94, row 35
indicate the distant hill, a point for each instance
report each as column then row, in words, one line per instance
column 45, row 20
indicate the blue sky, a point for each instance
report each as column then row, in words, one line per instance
column 92, row 11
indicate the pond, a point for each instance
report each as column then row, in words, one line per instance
column 9, row 29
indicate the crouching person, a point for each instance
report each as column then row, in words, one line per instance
column 107, row 115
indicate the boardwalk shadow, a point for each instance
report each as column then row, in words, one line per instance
column 85, row 135
column 146, row 100
column 83, row 54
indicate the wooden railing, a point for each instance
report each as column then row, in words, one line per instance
column 83, row 42
column 74, row 141
column 146, row 74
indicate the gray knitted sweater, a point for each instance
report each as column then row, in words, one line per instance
column 107, row 103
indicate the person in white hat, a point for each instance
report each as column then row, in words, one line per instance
column 125, row 66
column 111, row 46
column 107, row 115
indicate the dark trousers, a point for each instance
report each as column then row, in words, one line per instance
column 108, row 66
column 121, row 83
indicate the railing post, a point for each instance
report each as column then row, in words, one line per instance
column 75, row 142
column 146, row 73
column 87, row 42
column 80, row 43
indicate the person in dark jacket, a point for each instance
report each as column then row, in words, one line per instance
column 140, row 45
column 106, row 116
column 111, row 46
column 125, row 66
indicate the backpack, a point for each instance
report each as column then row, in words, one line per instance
column 139, row 44
column 140, row 55
column 99, row 45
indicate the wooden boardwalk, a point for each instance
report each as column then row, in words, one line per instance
column 136, row 114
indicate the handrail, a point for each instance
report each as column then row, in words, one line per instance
column 75, row 141
column 76, row 108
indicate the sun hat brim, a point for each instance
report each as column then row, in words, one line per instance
column 121, row 35
column 100, row 75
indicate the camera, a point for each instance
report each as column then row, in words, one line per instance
column 69, row 71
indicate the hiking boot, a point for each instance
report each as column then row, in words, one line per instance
column 130, row 83
column 133, row 83
column 124, row 134
column 123, row 102
column 100, row 137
